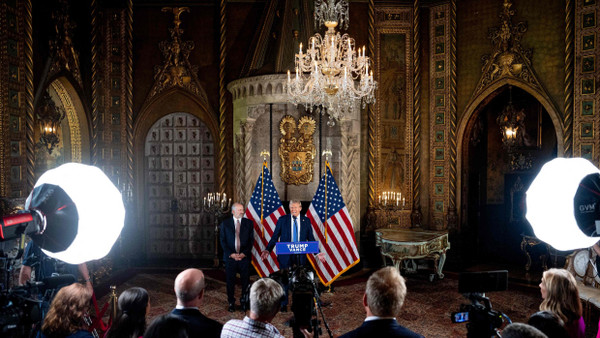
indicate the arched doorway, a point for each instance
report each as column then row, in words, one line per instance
column 175, row 147
column 495, row 177
column 74, row 142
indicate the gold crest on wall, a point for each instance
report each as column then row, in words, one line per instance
column 297, row 149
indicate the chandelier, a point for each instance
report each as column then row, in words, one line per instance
column 331, row 73
column 49, row 117
column 510, row 122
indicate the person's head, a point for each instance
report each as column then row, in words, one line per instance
column 520, row 330
column 385, row 293
column 133, row 306
column 549, row 323
column 167, row 325
column 189, row 287
column 265, row 298
column 560, row 294
column 237, row 210
column 295, row 207
column 66, row 312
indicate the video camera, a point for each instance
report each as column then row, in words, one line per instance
column 482, row 320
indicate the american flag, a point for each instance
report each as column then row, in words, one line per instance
column 264, row 195
column 337, row 239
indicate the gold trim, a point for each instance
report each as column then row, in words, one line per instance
column 73, row 120
column 297, row 153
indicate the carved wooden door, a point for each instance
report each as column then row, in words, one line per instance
column 179, row 162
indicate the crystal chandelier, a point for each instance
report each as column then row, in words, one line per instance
column 331, row 73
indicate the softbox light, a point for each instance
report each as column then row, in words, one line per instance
column 84, row 213
column 563, row 203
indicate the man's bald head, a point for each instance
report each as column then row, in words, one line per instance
column 189, row 287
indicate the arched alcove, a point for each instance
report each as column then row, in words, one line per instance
column 495, row 177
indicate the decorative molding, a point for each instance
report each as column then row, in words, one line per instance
column 568, row 114
column 73, row 120
column 95, row 80
column 350, row 170
column 259, row 89
column 223, row 118
column 29, row 118
column 508, row 58
column 176, row 69
column 372, row 122
column 416, row 127
column 453, row 95
column 64, row 57
column 440, row 126
column 128, row 88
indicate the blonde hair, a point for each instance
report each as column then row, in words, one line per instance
column 66, row 312
column 386, row 291
column 562, row 296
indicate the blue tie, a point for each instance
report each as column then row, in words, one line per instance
column 295, row 234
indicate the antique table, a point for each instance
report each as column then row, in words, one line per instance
column 406, row 244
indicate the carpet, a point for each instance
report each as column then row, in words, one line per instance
column 426, row 310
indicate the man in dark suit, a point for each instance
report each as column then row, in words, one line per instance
column 237, row 238
column 382, row 300
column 189, row 289
column 291, row 228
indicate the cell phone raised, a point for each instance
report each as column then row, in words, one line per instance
column 460, row 317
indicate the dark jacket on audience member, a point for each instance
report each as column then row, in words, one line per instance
column 381, row 328
column 200, row 325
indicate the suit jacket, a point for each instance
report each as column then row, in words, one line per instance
column 381, row 328
column 227, row 235
column 199, row 324
column 283, row 233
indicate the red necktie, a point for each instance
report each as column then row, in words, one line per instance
column 237, row 235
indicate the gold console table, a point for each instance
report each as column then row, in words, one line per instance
column 405, row 244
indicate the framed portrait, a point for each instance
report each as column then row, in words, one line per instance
column 439, row 154
column 439, row 118
column 440, row 66
column 438, row 206
column 588, row 86
column 439, row 48
column 439, row 83
column 438, row 171
column 588, row 20
column 438, row 189
column 588, row 42
column 439, row 136
column 587, row 151
column 587, row 130
column 439, row 100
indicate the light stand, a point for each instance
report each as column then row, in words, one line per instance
column 217, row 205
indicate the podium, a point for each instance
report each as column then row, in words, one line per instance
column 296, row 248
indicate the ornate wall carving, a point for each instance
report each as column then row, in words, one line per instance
column 439, row 126
column 395, row 105
column 73, row 121
column 587, row 77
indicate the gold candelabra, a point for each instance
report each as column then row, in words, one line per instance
column 217, row 205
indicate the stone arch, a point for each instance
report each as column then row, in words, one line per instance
column 474, row 105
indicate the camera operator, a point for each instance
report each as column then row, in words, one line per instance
column 45, row 267
column 382, row 300
column 291, row 228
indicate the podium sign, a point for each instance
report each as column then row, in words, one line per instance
column 296, row 248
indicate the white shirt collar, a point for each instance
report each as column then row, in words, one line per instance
column 181, row 307
column 370, row 318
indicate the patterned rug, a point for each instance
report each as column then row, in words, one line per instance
column 426, row 310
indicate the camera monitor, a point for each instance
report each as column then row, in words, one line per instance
column 483, row 281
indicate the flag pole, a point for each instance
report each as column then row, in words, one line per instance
column 326, row 167
column 262, row 197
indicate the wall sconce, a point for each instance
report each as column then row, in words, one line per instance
column 49, row 117
column 510, row 122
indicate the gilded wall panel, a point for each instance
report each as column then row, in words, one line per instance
column 394, row 105
column 586, row 96
column 439, row 127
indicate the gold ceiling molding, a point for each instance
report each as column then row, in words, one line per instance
column 176, row 70
column 73, row 120
column 508, row 57
column 64, row 56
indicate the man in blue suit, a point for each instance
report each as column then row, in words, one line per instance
column 383, row 300
column 291, row 228
column 237, row 238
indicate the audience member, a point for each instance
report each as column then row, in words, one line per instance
column 520, row 330
column 132, row 309
column 560, row 295
column 189, row 289
column 382, row 300
column 549, row 323
column 168, row 326
column 265, row 298
column 65, row 317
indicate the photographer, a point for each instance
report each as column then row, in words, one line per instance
column 382, row 300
